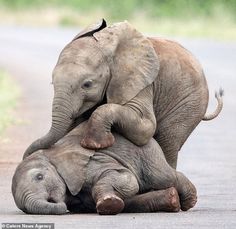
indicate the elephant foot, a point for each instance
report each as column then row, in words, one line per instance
column 95, row 139
column 170, row 201
column 110, row 205
column 97, row 134
column 189, row 201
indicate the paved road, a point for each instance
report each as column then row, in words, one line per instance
column 208, row 158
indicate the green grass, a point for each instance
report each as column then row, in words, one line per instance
column 121, row 9
column 8, row 98
column 192, row 18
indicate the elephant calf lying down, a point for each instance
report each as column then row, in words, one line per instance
column 123, row 177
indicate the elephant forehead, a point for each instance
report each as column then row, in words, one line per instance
column 82, row 51
column 33, row 171
column 33, row 165
column 28, row 167
column 69, row 69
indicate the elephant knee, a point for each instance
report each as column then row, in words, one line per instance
column 127, row 186
column 121, row 181
column 146, row 130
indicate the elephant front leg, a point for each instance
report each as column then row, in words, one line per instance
column 136, row 124
column 98, row 132
column 162, row 200
column 135, row 120
column 109, row 192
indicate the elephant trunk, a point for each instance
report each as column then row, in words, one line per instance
column 62, row 123
column 40, row 206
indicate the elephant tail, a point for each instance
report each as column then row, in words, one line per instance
column 219, row 96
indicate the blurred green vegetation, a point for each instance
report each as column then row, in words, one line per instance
column 8, row 98
column 212, row 18
column 119, row 10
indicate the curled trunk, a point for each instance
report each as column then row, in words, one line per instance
column 39, row 206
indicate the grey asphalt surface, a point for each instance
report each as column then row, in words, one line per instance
column 208, row 157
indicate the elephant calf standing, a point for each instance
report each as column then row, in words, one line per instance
column 123, row 177
column 148, row 87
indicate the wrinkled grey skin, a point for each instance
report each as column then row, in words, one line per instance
column 150, row 87
column 83, row 180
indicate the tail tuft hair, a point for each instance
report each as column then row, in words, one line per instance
column 219, row 93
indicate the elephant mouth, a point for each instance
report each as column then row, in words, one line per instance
column 82, row 116
column 51, row 200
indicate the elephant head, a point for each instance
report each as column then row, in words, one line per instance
column 45, row 182
column 101, row 63
column 37, row 188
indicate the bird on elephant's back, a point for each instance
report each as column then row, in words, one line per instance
column 143, row 87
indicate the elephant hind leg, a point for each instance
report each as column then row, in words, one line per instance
column 170, row 148
column 162, row 200
column 110, row 190
column 162, row 176
column 110, row 204
column 173, row 131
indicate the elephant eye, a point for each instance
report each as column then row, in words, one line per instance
column 87, row 84
column 39, row 177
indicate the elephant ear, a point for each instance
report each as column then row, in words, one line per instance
column 90, row 30
column 71, row 165
column 133, row 61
